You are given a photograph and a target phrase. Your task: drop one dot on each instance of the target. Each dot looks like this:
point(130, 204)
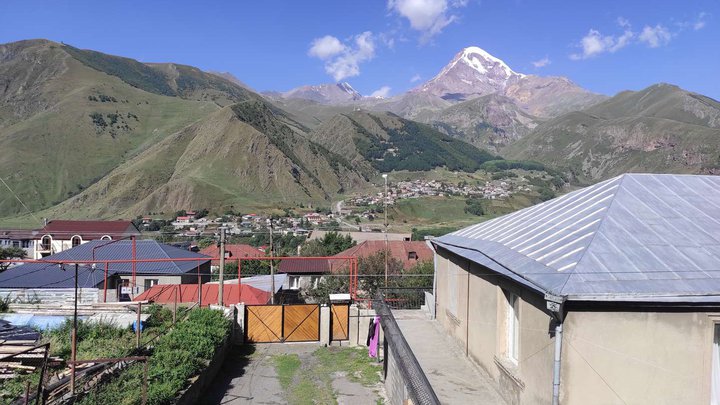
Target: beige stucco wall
point(478, 326)
point(637, 357)
point(609, 357)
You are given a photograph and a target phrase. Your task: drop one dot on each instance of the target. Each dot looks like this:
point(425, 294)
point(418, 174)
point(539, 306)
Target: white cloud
point(427, 16)
point(326, 47)
point(595, 43)
point(655, 36)
point(344, 61)
point(383, 92)
point(542, 62)
point(415, 78)
point(700, 22)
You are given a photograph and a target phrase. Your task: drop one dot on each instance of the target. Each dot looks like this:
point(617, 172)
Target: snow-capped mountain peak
point(346, 87)
point(472, 72)
point(480, 60)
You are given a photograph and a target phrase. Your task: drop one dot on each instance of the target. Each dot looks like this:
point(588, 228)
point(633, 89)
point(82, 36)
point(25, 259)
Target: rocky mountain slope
point(241, 155)
point(662, 129)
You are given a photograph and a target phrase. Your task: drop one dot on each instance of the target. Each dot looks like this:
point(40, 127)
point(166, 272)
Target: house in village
point(233, 252)
point(406, 252)
point(360, 237)
point(48, 281)
point(60, 235)
point(19, 238)
point(606, 295)
point(302, 273)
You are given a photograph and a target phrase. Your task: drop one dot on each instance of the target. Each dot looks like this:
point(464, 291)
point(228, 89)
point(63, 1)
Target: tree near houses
point(8, 254)
point(329, 245)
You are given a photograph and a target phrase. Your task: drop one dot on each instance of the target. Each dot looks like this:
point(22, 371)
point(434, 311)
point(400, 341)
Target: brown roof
point(234, 251)
point(17, 234)
point(400, 250)
point(89, 230)
point(304, 266)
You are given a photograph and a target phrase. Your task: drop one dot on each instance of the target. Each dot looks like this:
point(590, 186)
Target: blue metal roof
point(48, 275)
point(635, 237)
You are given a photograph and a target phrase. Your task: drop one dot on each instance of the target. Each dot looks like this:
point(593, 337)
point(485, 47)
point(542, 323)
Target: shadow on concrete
point(234, 366)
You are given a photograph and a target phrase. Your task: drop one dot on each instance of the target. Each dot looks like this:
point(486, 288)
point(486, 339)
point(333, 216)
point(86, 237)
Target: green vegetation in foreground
point(311, 382)
point(177, 356)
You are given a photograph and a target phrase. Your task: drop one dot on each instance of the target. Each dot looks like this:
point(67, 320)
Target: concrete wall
point(395, 387)
point(478, 323)
point(52, 295)
point(637, 357)
point(616, 356)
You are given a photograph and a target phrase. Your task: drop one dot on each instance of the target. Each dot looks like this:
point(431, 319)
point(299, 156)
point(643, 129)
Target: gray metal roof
point(45, 274)
point(636, 237)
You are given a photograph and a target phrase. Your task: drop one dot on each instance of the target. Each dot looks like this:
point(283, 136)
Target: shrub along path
point(301, 373)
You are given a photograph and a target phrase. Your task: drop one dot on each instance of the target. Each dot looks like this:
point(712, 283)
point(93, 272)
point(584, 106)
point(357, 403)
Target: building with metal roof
point(587, 278)
point(156, 264)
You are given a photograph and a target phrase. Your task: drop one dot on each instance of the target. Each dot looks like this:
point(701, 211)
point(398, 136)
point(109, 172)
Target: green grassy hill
point(63, 125)
point(390, 143)
point(661, 129)
point(240, 156)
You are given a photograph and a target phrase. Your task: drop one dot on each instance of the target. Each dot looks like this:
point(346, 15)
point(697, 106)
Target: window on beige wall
point(512, 326)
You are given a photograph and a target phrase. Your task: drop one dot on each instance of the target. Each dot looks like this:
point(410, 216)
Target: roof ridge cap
point(621, 179)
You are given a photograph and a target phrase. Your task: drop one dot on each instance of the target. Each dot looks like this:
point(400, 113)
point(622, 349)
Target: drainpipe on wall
point(555, 306)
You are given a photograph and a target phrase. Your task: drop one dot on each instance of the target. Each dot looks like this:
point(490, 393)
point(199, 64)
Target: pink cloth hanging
point(373, 348)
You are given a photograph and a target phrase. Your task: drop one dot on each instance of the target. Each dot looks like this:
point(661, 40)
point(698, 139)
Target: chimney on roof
point(45, 221)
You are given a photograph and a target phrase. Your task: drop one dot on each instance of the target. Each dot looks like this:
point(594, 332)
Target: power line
point(19, 200)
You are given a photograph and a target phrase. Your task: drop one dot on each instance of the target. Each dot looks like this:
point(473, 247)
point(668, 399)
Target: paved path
point(248, 375)
point(455, 379)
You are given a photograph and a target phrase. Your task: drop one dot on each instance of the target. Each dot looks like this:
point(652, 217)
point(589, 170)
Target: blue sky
point(605, 46)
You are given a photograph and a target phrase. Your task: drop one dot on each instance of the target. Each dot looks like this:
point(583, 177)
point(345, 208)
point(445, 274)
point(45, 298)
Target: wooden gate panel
point(263, 323)
point(301, 323)
point(340, 321)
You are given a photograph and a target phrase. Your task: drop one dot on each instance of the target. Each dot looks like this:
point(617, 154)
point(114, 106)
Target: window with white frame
point(512, 324)
point(294, 282)
point(75, 241)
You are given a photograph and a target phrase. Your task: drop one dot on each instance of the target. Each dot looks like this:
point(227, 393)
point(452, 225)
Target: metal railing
point(418, 387)
point(405, 297)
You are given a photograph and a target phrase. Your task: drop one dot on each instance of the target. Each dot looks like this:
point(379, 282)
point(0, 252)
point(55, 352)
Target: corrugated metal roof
point(263, 282)
point(633, 237)
point(48, 275)
point(166, 294)
point(304, 266)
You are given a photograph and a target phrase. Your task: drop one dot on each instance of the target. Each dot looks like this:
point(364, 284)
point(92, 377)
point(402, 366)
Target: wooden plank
point(301, 323)
point(340, 321)
point(263, 323)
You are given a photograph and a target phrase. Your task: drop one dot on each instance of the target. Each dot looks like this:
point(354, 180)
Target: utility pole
point(222, 266)
point(272, 267)
point(73, 354)
point(385, 176)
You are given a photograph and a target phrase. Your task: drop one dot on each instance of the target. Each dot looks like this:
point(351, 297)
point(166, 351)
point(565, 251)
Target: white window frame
point(294, 282)
point(512, 326)
point(76, 238)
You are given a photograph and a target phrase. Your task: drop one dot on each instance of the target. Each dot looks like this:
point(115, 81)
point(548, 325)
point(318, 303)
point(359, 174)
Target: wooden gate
point(282, 323)
point(340, 321)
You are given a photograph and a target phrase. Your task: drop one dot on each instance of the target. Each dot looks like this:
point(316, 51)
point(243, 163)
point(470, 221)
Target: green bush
point(177, 356)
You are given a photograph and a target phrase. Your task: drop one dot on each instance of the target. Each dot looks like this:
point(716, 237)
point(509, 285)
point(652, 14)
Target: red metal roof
point(400, 250)
point(188, 293)
point(231, 252)
point(89, 229)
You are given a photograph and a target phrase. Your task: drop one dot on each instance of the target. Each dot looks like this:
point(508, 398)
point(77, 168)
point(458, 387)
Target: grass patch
point(286, 365)
point(310, 380)
point(353, 361)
